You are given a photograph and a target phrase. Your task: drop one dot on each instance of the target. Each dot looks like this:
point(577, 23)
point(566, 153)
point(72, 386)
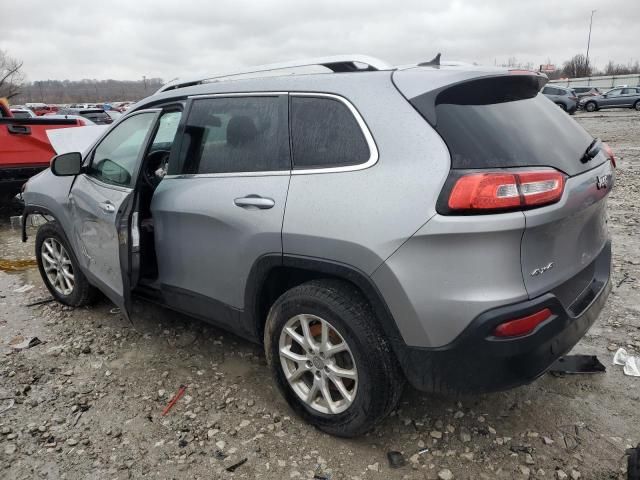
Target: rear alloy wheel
point(330, 359)
point(318, 364)
point(590, 106)
point(562, 106)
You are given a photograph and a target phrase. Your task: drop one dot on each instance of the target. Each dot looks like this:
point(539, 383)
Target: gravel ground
point(87, 402)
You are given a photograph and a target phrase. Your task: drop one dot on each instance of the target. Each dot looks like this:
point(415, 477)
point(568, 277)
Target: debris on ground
point(23, 289)
point(21, 343)
point(631, 364)
point(40, 302)
point(234, 466)
point(173, 401)
point(573, 364)
point(396, 459)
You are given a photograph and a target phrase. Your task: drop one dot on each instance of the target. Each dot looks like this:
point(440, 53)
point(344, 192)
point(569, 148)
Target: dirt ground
point(86, 403)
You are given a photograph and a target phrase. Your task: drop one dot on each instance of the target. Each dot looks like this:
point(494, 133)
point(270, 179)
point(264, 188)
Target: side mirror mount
point(67, 164)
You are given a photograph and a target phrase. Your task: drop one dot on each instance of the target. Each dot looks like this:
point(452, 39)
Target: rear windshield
point(503, 121)
point(96, 116)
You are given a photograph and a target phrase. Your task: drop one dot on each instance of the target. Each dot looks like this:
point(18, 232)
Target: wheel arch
point(272, 275)
point(36, 209)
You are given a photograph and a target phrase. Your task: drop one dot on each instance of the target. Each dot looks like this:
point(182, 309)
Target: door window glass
point(235, 134)
point(116, 157)
point(166, 133)
point(614, 93)
point(324, 133)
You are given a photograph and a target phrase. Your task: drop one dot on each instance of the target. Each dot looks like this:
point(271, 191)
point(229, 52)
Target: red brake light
point(607, 149)
point(506, 191)
point(522, 326)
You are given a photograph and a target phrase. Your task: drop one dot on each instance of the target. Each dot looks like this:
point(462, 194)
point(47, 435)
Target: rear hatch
point(497, 128)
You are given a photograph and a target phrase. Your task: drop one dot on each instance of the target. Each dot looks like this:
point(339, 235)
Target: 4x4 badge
point(602, 181)
point(541, 270)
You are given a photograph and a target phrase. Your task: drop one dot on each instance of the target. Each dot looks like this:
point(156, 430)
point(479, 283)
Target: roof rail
point(337, 64)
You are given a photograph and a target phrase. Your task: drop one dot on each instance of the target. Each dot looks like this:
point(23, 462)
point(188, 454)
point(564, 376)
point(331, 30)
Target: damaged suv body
point(444, 225)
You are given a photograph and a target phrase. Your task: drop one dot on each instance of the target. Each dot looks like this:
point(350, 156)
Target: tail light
point(573, 98)
point(488, 192)
point(609, 152)
point(522, 326)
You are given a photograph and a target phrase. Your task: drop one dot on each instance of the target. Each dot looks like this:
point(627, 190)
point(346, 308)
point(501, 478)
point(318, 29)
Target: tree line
point(85, 91)
point(579, 66)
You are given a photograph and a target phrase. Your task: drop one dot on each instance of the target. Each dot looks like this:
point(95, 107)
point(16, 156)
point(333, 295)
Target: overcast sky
point(126, 39)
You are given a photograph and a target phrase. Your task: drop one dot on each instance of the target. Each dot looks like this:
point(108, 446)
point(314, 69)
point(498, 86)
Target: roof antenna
point(431, 63)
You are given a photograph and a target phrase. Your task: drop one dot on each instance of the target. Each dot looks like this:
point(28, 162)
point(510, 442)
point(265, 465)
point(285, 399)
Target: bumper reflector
point(522, 326)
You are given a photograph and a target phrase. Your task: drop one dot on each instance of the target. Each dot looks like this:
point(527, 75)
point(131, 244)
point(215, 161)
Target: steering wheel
point(155, 167)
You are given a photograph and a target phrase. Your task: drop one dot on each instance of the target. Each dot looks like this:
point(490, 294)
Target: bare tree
point(11, 76)
point(577, 66)
point(619, 69)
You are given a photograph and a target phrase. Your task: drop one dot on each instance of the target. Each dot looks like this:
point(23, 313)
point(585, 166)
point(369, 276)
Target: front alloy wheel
point(318, 364)
point(57, 266)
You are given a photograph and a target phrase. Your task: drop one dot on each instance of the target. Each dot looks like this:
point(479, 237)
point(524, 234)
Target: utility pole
point(144, 79)
point(589, 40)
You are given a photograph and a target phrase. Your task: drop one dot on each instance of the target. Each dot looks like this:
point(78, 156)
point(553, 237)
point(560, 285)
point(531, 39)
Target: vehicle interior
point(152, 171)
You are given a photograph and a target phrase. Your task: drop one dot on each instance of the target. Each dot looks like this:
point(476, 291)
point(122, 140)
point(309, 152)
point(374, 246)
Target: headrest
point(241, 130)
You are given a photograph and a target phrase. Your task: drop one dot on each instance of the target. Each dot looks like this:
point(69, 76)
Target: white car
point(83, 120)
point(22, 113)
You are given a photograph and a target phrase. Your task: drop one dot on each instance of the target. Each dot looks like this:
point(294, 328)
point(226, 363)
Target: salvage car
point(96, 115)
point(24, 148)
point(565, 98)
point(628, 97)
point(427, 237)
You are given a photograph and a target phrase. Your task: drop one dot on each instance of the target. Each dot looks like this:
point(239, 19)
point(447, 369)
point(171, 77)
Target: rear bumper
point(476, 361)
point(12, 178)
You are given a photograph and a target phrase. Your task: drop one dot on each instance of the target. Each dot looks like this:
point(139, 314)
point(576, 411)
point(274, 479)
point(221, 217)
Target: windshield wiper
point(592, 150)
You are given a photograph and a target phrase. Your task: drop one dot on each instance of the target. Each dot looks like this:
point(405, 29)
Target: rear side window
point(502, 121)
point(234, 135)
point(325, 134)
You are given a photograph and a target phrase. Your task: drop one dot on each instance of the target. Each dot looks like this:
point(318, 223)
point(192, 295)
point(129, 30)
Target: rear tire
point(562, 106)
point(375, 381)
point(59, 268)
point(590, 106)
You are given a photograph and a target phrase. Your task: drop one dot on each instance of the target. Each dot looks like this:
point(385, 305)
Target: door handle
point(19, 129)
point(254, 201)
point(108, 207)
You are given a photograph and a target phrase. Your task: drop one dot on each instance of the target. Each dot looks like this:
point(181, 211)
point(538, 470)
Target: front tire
point(330, 359)
point(637, 105)
point(590, 106)
point(59, 268)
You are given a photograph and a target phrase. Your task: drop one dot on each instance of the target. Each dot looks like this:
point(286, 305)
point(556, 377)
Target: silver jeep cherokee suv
point(443, 224)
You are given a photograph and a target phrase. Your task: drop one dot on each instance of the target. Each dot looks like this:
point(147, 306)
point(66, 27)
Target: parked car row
point(590, 98)
point(628, 97)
